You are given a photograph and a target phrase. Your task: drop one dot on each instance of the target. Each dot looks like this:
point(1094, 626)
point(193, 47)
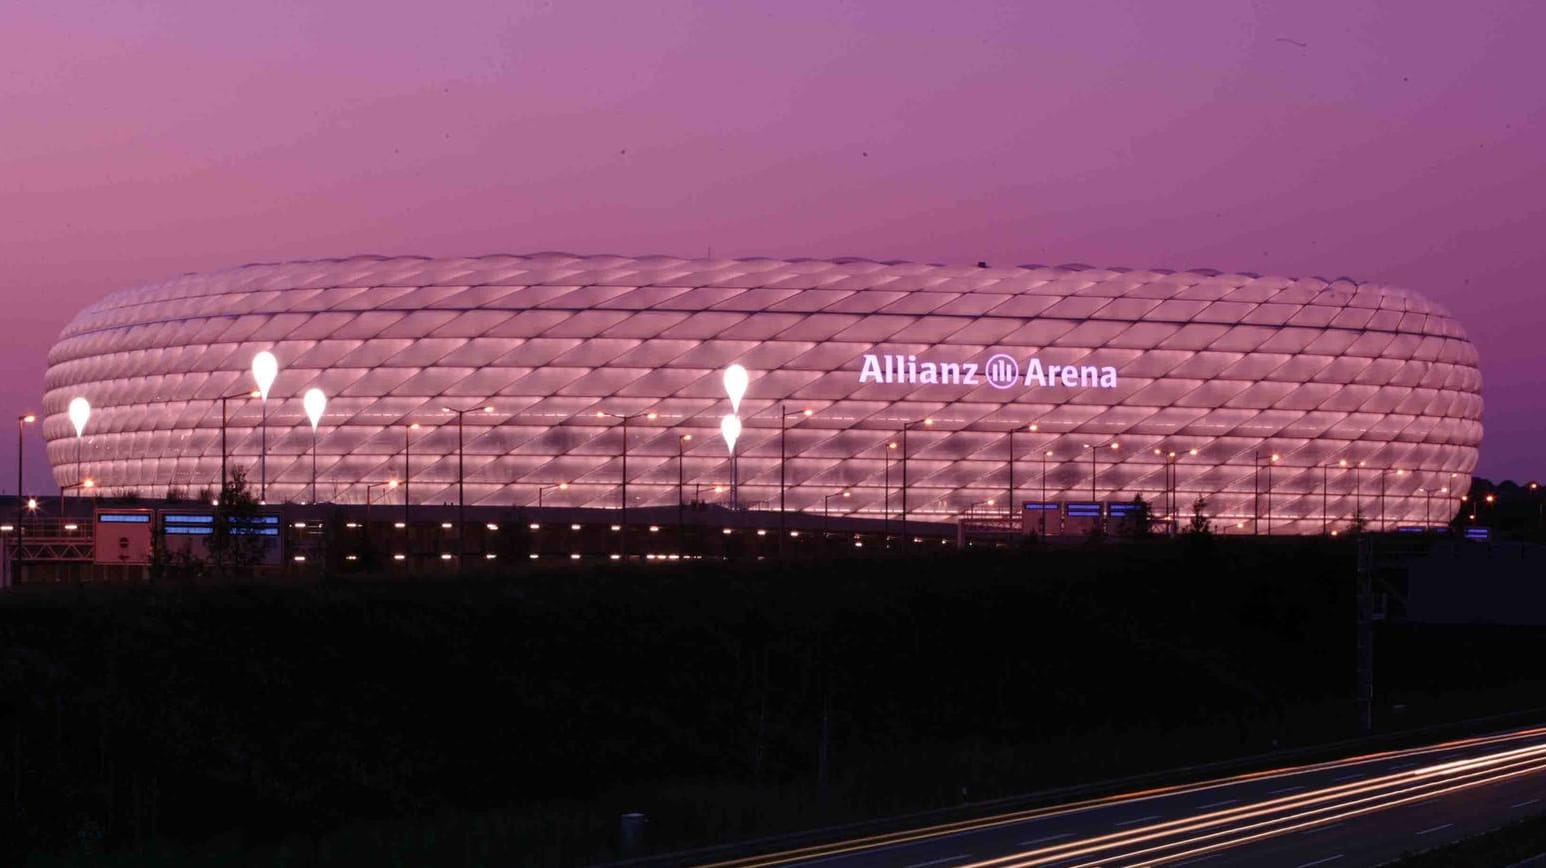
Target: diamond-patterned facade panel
point(1369, 395)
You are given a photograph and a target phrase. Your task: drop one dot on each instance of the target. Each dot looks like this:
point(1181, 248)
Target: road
point(1362, 810)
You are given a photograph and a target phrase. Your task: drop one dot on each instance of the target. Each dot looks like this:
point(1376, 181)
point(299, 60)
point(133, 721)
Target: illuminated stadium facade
point(1368, 396)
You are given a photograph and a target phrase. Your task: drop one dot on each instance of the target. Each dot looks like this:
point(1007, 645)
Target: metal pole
point(885, 488)
point(21, 422)
point(904, 485)
point(1011, 500)
point(1043, 509)
point(1256, 496)
point(223, 476)
point(1325, 498)
point(623, 542)
point(1094, 471)
point(313, 464)
point(407, 471)
point(681, 494)
point(783, 427)
point(461, 497)
point(263, 454)
point(1384, 472)
point(1269, 495)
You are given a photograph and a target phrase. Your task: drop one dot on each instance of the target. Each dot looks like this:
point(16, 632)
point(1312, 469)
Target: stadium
point(874, 389)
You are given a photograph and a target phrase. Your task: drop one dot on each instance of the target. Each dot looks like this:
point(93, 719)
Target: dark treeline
point(511, 719)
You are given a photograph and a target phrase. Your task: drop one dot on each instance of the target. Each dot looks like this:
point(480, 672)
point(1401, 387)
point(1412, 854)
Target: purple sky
point(1367, 139)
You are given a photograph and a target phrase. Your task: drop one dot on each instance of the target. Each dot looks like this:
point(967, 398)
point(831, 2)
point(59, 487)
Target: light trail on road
point(1202, 832)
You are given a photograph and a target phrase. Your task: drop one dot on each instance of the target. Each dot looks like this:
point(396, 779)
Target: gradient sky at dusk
point(1378, 140)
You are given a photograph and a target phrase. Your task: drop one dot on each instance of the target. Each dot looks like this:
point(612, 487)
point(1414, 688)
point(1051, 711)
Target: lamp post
point(315, 402)
point(84, 485)
point(906, 426)
point(223, 421)
point(265, 368)
point(461, 478)
point(21, 423)
point(885, 490)
point(1271, 460)
point(826, 506)
point(561, 486)
point(681, 490)
point(1094, 469)
point(730, 429)
point(783, 427)
point(407, 468)
point(1043, 510)
point(625, 418)
point(390, 483)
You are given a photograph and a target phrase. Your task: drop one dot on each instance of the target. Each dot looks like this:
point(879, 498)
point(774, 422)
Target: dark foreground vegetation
point(510, 719)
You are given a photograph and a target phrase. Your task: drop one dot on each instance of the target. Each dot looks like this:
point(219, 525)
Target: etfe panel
point(123, 536)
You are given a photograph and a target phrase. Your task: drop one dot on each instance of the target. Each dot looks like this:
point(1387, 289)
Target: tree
point(235, 546)
point(1200, 524)
point(1359, 524)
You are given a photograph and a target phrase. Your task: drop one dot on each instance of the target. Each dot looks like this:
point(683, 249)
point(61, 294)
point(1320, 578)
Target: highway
point(1362, 810)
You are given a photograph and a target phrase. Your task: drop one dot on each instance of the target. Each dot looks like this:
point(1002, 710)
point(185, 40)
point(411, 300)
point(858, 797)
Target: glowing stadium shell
point(1236, 366)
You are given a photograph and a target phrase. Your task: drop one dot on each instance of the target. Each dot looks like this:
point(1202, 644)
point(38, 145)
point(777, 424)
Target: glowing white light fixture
point(265, 368)
point(736, 381)
point(316, 404)
point(80, 414)
point(730, 427)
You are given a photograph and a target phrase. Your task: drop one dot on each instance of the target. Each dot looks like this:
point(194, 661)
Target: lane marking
point(1435, 828)
point(1217, 804)
point(1523, 803)
point(1134, 822)
point(1284, 790)
point(1046, 839)
point(940, 861)
point(1320, 861)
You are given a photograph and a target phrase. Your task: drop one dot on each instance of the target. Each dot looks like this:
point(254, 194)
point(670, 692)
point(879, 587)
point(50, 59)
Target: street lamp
point(265, 368)
point(390, 483)
point(21, 423)
point(1042, 511)
point(730, 429)
point(86, 484)
point(1094, 470)
point(626, 418)
point(681, 487)
point(826, 507)
point(906, 426)
point(1383, 473)
point(407, 467)
point(315, 403)
point(461, 495)
point(783, 426)
point(223, 452)
point(561, 486)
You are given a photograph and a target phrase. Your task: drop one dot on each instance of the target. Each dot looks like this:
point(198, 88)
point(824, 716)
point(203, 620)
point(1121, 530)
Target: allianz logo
point(1001, 371)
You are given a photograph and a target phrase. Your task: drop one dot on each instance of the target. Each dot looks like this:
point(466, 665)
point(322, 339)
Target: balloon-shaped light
point(80, 413)
point(736, 381)
point(315, 403)
point(730, 426)
point(264, 369)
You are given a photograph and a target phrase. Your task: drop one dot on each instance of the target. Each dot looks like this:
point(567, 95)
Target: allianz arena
point(1089, 378)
